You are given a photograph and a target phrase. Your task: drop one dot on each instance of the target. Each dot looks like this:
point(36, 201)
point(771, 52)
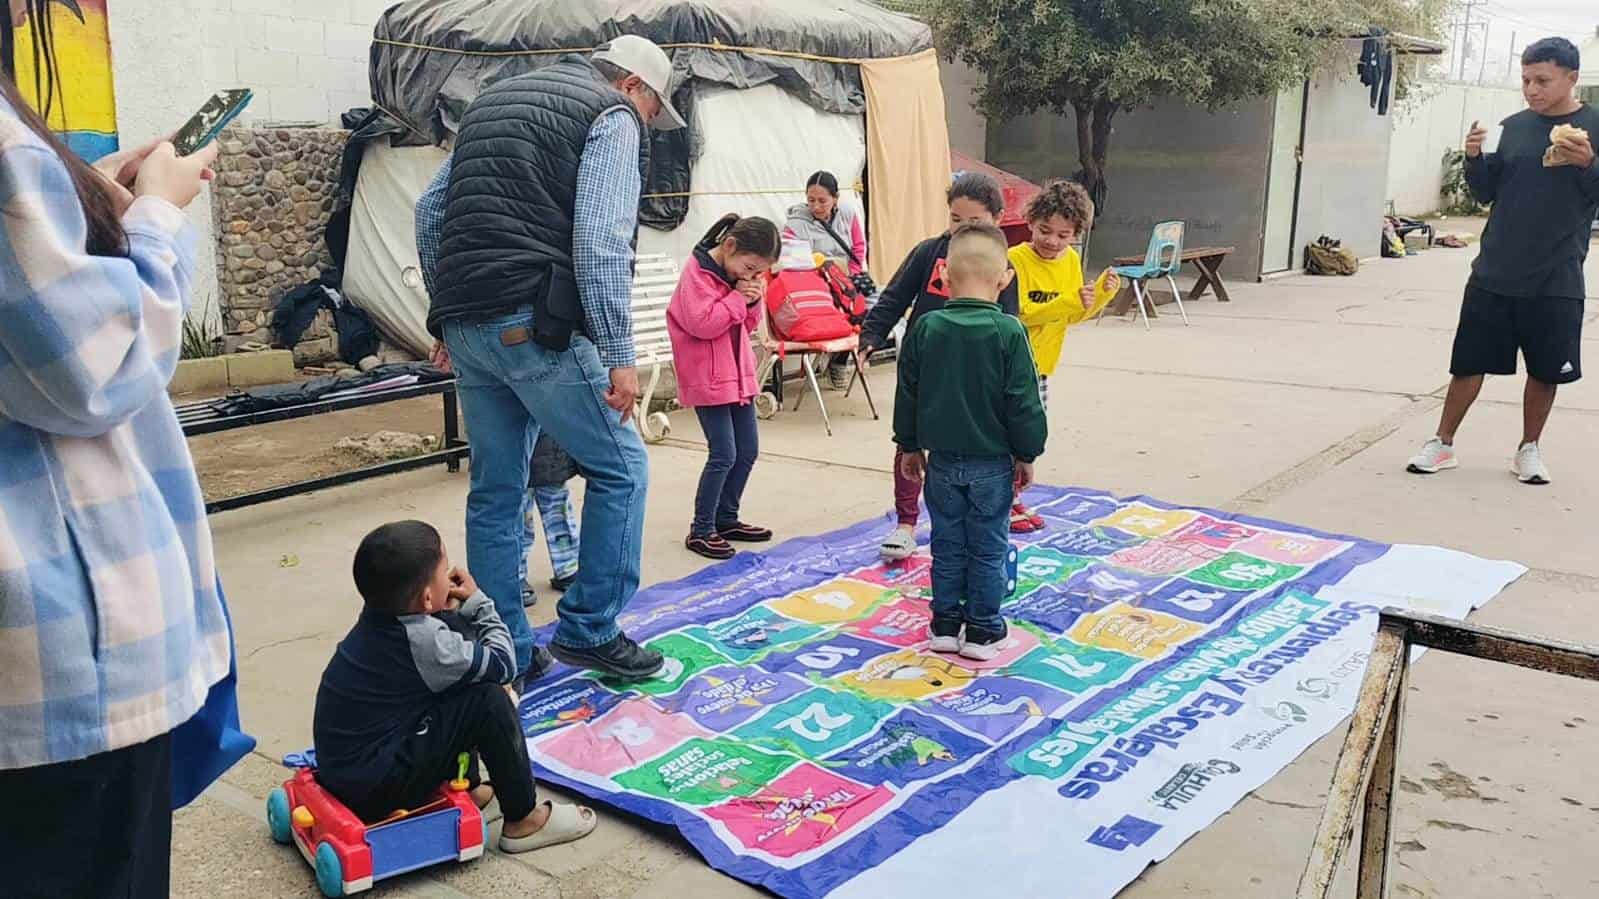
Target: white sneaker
point(951, 644)
point(1528, 466)
point(1435, 456)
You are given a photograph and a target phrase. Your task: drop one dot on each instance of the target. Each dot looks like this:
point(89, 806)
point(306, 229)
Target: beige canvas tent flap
point(907, 156)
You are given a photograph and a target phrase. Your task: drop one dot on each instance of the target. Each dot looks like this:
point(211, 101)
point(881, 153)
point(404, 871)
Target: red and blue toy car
point(348, 854)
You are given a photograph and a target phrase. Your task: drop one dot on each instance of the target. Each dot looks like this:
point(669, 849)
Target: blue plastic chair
point(1163, 259)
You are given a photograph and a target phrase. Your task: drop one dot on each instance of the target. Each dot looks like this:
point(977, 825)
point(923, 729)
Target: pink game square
point(917, 571)
point(633, 732)
point(1017, 643)
point(1290, 549)
point(902, 623)
point(805, 809)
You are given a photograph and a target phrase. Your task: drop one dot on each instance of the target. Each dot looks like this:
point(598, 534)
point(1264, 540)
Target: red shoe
point(1024, 520)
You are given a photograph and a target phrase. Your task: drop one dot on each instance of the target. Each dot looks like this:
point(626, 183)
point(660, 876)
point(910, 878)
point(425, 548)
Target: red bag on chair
point(800, 307)
point(849, 298)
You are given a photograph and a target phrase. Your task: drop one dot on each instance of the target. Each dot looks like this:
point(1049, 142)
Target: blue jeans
point(734, 443)
point(552, 507)
point(507, 394)
point(969, 499)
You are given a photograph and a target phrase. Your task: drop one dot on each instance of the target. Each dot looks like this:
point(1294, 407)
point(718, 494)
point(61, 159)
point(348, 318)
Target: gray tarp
point(432, 57)
point(429, 88)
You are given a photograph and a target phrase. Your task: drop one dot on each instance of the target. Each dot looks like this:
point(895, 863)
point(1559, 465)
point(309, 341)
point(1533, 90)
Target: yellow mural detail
point(85, 108)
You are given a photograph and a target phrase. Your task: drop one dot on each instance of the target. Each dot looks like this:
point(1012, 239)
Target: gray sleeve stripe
point(441, 656)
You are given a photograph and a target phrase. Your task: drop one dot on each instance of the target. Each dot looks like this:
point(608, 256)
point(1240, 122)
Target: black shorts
point(1547, 331)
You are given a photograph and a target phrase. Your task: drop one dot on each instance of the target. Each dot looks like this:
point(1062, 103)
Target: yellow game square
point(1148, 521)
point(1134, 631)
point(905, 676)
point(830, 603)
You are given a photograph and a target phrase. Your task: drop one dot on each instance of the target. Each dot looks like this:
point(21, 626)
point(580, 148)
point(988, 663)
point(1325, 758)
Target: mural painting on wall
point(84, 111)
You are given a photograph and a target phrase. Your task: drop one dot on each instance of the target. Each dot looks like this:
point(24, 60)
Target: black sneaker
point(739, 532)
point(983, 645)
point(563, 584)
point(619, 658)
point(539, 666)
point(529, 598)
point(712, 547)
point(945, 634)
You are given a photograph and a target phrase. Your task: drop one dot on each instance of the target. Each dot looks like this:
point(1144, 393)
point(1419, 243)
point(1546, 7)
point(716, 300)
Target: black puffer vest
point(507, 236)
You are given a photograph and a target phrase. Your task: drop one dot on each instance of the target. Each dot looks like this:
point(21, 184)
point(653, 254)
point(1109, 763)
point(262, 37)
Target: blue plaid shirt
point(603, 224)
point(111, 623)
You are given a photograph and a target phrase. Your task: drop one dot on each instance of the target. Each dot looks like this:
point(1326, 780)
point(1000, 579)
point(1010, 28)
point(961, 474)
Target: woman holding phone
point(115, 653)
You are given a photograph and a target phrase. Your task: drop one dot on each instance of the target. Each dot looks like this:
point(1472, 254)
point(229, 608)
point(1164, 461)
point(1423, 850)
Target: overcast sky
point(1525, 20)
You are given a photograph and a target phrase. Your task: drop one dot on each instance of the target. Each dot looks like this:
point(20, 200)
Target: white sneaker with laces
point(1435, 456)
point(1529, 467)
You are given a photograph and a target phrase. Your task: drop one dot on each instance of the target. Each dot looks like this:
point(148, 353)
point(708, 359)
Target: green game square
point(685, 657)
point(705, 772)
point(1240, 571)
point(814, 724)
point(1037, 566)
point(1067, 665)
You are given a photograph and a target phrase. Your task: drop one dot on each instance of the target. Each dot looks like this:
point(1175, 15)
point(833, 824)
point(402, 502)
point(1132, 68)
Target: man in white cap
point(526, 240)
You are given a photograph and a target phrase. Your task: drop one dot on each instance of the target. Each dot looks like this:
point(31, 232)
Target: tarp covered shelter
point(773, 91)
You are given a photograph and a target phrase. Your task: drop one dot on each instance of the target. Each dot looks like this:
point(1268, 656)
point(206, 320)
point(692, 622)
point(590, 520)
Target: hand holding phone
point(173, 178)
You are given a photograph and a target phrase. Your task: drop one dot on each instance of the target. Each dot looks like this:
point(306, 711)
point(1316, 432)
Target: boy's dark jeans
point(477, 719)
point(969, 500)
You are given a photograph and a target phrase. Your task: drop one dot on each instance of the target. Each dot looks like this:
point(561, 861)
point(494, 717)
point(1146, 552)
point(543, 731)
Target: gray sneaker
point(1528, 466)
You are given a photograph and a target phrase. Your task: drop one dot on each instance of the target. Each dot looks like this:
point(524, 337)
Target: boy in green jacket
point(968, 420)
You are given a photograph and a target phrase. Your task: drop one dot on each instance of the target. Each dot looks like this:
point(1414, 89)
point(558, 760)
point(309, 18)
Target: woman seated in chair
point(838, 232)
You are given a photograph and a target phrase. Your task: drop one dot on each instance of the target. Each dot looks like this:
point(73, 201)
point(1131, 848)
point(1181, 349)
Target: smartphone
point(205, 125)
point(1490, 144)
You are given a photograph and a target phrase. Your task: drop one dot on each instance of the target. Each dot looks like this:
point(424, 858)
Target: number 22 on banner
point(816, 723)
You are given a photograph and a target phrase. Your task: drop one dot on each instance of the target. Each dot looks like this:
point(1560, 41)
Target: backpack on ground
point(800, 307)
point(1330, 257)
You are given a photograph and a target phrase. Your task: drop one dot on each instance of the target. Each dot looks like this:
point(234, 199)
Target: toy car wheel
point(329, 870)
point(765, 405)
point(278, 816)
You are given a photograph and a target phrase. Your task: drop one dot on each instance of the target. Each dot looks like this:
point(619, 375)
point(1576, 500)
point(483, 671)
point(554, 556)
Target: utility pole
point(1482, 65)
point(1511, 62)
point(1465, 29)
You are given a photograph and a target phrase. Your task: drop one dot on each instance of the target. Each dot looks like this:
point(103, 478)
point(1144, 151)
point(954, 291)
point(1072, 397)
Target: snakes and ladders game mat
point(1161, 663)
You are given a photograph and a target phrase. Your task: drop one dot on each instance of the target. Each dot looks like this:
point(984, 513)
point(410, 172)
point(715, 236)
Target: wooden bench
point(654, 280)
point(1207, 259)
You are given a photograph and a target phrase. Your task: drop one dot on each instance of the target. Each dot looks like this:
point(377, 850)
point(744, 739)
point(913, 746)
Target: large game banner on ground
point(1162, 662)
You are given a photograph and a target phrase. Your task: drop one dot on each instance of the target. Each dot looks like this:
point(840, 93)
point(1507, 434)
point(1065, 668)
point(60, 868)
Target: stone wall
point(274, 193)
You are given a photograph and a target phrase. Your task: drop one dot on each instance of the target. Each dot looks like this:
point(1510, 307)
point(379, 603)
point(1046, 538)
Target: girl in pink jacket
point(716, 307)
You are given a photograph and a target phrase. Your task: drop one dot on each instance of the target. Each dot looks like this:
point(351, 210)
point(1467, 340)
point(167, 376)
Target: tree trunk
point(1093, 142)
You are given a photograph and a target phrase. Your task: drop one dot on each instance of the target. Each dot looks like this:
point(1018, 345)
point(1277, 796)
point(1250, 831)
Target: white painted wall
point(305, 59)
point(1428, 126)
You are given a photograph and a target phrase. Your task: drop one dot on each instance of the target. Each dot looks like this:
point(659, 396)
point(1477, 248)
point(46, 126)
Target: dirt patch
point(263, 456)
point(1454, 785)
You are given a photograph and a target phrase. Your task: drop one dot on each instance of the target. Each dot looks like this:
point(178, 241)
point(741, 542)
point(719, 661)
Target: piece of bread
point(1551, 156)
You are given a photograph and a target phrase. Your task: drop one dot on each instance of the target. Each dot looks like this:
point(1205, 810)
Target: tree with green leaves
point(1095, 58)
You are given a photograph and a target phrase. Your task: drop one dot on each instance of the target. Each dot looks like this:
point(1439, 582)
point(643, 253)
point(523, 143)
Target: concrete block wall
point(305, 59)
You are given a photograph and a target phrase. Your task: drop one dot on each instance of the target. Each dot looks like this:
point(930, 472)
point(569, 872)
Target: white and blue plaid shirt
point(111, 623)
point(603, 224)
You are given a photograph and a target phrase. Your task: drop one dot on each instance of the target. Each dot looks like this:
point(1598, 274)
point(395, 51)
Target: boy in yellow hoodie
point(1053, 297)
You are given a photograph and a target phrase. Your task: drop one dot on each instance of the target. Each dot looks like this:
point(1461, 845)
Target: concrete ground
point(1299, 401)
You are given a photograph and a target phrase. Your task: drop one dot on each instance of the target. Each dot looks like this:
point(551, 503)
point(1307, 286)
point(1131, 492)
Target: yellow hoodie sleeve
point(1102, 297)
